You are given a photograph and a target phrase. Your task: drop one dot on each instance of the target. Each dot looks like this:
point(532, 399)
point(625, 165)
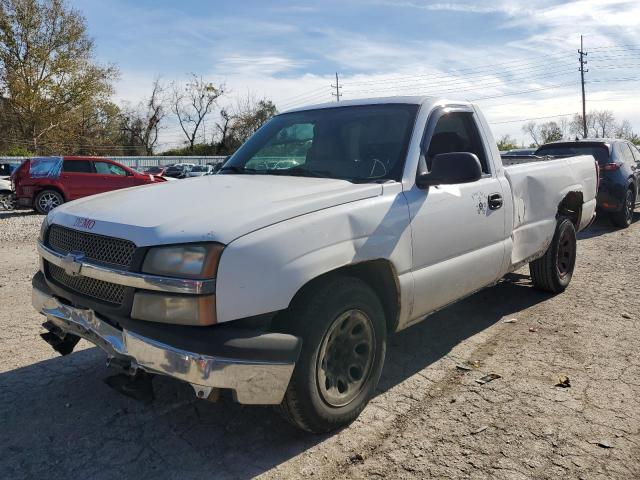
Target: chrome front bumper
point(252, 382)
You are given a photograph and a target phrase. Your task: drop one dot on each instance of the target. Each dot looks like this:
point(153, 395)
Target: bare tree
point(604, 123)
point(142, 124)
point(531, 128)
point(250, 114)
point(192, 103)
point(624, 130)
point(564, 125)
point(223, 128)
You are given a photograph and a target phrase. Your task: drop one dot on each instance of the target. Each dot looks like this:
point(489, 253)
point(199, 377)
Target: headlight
point(184, 261)
point(179, 310)
point(43, 229)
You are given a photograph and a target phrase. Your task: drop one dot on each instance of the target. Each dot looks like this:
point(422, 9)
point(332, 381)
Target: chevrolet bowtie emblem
point(72, 263)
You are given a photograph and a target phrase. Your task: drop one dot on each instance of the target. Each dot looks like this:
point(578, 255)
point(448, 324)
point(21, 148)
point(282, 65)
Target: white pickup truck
point(280, 277)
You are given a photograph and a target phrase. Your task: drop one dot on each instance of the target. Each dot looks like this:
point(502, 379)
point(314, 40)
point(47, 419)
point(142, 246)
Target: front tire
point(553, 271)
point(343, 330)
point(47, 200)
point(624, 217)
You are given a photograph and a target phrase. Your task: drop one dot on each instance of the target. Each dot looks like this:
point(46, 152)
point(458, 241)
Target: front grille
point(98, 289)
point(114, 251)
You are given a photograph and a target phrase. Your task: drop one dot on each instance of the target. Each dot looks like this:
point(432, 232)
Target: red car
point(44, 183)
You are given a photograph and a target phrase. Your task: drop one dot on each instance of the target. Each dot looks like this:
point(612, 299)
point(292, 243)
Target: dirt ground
point(430, 419)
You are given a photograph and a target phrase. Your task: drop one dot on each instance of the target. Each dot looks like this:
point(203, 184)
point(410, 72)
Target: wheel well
point(571, 206)
point(379, 274)
point(55, 189)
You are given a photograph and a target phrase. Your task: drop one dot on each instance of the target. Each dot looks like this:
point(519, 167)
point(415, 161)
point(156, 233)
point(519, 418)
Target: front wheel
point(343, 330)
point(553, 271)
point(47, 200)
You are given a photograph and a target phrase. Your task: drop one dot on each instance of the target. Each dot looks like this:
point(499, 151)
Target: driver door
point(458, 238)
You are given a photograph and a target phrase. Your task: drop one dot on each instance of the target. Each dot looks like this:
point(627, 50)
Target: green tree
point(47, 69)
point(543, 133)
point(505, 142)
point(235, 128)
point(18, 152)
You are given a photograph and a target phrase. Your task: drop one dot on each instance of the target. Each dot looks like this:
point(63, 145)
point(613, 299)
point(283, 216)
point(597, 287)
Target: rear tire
point(624, 217)
point(553, 271)
point(343, 330)
point(47, 200)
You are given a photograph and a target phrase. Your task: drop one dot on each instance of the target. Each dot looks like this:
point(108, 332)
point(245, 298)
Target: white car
point(283, 284)
point(199, 171)
point(7, 200)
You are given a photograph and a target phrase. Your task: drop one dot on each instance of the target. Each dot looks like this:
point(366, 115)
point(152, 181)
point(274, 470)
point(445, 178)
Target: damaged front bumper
point(262, 379)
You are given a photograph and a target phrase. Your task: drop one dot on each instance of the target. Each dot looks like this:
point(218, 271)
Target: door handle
point(495, 201)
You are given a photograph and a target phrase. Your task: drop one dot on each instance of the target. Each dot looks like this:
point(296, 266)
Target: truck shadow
point(603, 226)
point(60, 420)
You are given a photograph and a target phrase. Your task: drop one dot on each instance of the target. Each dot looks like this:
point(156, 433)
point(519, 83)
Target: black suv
point(619, 163)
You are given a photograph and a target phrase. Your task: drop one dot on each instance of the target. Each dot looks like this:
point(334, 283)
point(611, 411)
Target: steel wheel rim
point(345, 358)
point(48, 201)
point(565, 259)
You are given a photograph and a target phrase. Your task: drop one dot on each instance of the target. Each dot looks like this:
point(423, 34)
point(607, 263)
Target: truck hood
point(216, 208)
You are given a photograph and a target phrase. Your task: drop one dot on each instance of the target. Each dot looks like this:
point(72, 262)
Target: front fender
point(262, 271)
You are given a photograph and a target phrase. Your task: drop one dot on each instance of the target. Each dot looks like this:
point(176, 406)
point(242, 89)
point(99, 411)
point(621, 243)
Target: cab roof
point(411, 100)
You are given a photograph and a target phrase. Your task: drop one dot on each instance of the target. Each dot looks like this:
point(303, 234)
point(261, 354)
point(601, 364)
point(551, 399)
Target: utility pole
point(583, 70)
point(337, 87)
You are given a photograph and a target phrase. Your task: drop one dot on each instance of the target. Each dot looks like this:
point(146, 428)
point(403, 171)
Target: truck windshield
point(355, 143)
point(599, 152)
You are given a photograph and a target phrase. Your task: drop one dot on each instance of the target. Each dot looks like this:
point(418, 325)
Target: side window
point(77, 166)
point(634, 152)
point(627, 156)
point(457, 132)
point(106, 168)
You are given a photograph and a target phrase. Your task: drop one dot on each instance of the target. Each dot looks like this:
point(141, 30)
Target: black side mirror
point(451, 168)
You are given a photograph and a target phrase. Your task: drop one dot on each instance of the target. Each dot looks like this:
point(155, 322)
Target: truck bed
point(539, 184)
point(508, 160)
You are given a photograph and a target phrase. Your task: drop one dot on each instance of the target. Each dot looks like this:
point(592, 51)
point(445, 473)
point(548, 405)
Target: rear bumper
point(25, 201)
point(259, 374)
point(611, 195)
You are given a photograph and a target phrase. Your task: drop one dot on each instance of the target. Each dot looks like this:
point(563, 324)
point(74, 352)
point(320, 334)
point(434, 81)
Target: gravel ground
point(430, 419)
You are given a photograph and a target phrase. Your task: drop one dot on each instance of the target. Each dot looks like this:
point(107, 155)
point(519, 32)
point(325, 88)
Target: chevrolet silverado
point(280, 278)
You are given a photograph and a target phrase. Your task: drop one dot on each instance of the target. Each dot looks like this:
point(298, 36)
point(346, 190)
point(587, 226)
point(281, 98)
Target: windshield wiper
point(236, 169)
point(300, 171)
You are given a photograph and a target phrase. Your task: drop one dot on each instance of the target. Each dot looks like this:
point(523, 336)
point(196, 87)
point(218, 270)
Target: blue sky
point(289, 51)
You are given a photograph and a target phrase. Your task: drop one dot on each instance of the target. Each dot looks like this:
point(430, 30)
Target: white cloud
point(542, 53)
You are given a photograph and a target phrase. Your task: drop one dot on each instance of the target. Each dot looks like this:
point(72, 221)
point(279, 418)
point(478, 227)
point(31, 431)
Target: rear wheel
point(47, 200)
point(624, 217)
point(553, 271)
point(343, 331)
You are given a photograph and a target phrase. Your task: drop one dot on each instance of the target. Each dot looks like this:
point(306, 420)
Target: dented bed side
point(538, 190)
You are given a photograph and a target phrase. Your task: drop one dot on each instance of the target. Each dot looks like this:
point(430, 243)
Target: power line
point(463, 83)
point(449, 79)
point(533, 118)
point(489, 68)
